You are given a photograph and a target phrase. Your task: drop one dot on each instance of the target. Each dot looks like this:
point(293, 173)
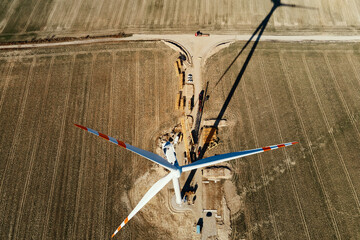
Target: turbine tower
point(171, 164)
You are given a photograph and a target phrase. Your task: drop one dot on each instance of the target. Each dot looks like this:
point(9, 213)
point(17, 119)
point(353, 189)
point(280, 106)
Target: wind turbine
point(171, 164)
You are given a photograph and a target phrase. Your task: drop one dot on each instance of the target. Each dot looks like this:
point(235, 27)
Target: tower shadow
point(258, 31)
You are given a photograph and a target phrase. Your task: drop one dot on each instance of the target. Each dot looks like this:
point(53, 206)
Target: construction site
point(202, 193)
point(210, 78)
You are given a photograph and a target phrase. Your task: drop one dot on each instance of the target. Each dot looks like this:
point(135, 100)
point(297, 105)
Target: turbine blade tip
point(79, 126)
point(114, 233)
point(294, 143)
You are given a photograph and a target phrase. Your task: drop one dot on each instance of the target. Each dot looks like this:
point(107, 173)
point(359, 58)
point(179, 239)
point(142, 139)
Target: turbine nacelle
point(170, 154)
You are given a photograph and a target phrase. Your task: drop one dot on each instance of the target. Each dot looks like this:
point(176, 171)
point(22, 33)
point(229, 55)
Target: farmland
point(308, 93)
point(25, 20)
point(58, 182)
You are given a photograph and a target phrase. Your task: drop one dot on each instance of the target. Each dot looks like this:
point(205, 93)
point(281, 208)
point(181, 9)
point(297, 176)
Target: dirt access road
point(197, 49)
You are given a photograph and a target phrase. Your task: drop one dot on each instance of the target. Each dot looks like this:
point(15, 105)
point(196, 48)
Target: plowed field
point(292, 92)
point(57, 181)
point(27, 19)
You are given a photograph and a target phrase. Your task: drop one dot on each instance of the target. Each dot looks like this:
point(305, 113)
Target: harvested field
point(57, 181)
point(25, 20)
point(302, 92)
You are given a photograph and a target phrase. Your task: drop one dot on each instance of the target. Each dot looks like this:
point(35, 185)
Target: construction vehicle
point(177, 68)
point(179, 63)
point(177, 102)
point(191, 104)
point(209, 137)
point(200, 34)
point(181, 80)
point(201, 96)
point(189, 197)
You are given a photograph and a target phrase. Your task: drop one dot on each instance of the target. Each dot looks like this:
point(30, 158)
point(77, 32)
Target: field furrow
point(59, 182)
point(32, 192)
point(341, 95)
point(333, 119)
point(263, 177)
point(260, 106)
point(291, 76)
point(305, 93)
point(288, 161)
point(56, 172)
point(81, 96)
point(14, 164)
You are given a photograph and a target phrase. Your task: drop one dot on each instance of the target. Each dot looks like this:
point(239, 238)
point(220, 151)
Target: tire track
point(112, 7)
point(353, 67)
point(343, 101)
point(60, 142)
point(7, 80)
point(8, 15)
point(264, 177)
point(207, 12)
point(136, 107)
point(293, 182)
point(121, 14)
point(74, 12)
point(139, 18)
point(31, 16)
point(82, 155)
point(151, 16)
point(133, 13)
point(316, 168)
point(31, 159)
point(331, 132)
point(34, 148)
point(89, 17)
point(163, 13)
point(48, 25)
point(174, 19)
point(96, 15)
point(109, 147)
point(186, 16)
point(114, 14)
point(204, 13)
point(18, 126)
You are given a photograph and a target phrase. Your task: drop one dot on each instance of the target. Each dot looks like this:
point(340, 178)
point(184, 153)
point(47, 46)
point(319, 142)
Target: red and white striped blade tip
point(79, 126)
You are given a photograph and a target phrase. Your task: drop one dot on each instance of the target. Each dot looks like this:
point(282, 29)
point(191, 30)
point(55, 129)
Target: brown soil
point(292, 92)
point(58, 182)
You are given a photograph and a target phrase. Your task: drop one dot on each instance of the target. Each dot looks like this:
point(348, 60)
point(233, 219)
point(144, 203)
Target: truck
point(200, 34)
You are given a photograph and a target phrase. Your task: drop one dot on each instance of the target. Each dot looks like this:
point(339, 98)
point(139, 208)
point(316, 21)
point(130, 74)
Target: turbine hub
point(177, 172)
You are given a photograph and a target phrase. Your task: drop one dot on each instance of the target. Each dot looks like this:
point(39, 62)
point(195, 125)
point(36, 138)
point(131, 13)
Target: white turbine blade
point(151, 156)
point(146, 198)
point(148, 155)
point(230, 156)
